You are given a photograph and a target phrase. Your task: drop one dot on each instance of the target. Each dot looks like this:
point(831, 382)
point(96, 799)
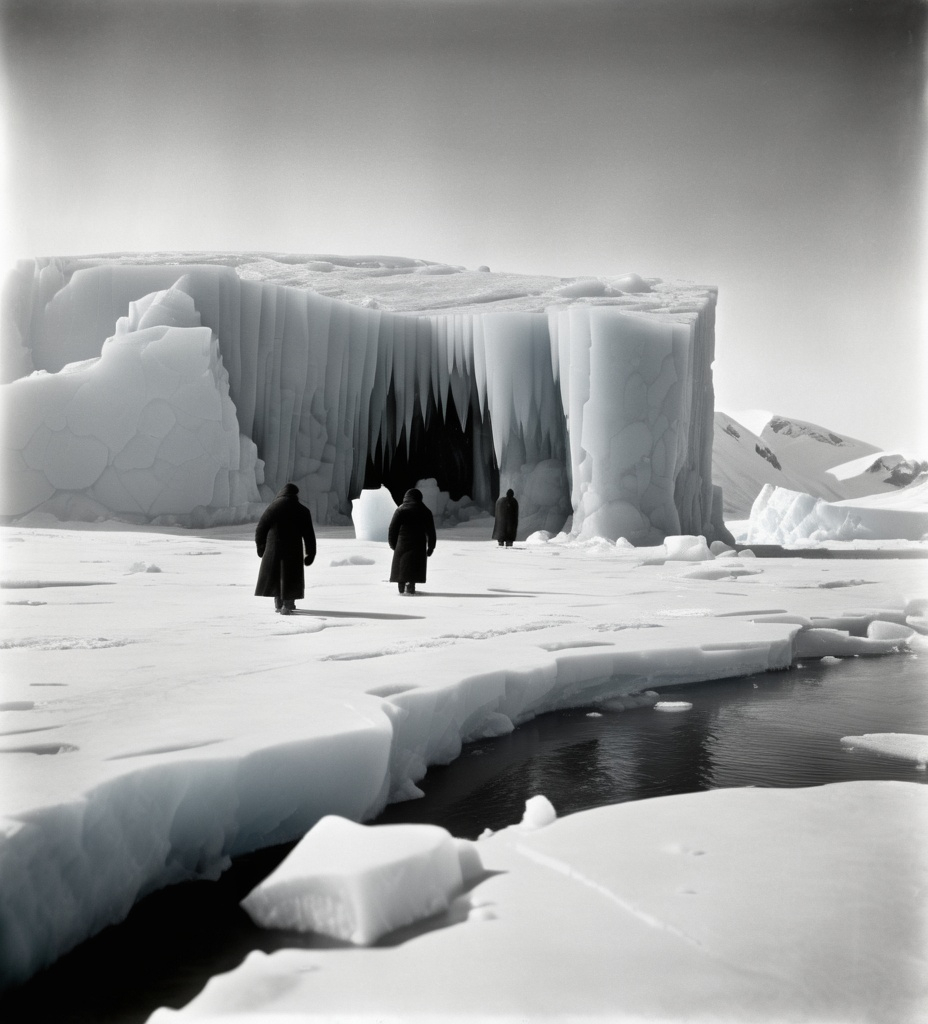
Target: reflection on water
point(777, 729)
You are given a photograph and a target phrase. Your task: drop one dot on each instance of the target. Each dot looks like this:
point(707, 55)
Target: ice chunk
point(673, 705)
point(539, 812)
point(821, 642)
point(359, 882)
point(781, 516)
point(687, 549)
point(371, 513)
point(906, 746)
point(881, 630)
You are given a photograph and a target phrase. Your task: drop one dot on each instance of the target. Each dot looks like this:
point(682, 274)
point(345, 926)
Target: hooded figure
point(280, 536)
point(507, 519)
point(412, 538)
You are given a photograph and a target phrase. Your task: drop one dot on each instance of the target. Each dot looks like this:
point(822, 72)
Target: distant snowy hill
point(800, 456)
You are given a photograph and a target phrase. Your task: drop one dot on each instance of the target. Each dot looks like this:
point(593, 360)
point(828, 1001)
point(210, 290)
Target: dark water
point(779, 729)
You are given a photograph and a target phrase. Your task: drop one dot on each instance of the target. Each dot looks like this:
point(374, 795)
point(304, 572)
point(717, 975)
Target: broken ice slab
point(359, 882)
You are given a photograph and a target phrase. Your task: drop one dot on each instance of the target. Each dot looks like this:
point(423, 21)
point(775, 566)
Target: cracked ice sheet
point(733, 905)
point(172, 732)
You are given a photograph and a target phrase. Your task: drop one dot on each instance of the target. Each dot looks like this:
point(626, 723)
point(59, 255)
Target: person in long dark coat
point(284, 530)
point(412, 538)
point(507, 519)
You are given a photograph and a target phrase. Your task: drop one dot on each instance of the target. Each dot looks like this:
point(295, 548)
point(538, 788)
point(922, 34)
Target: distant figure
point(412, 539)
point(507, 519)
point(283, 530)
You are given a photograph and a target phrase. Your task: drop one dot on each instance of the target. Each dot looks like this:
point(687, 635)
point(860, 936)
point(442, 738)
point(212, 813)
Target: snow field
point(188, 723)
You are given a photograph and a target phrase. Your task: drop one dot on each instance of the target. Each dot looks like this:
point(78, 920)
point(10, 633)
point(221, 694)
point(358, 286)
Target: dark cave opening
point(460, 459)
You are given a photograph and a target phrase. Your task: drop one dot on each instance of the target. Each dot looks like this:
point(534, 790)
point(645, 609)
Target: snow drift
point(590, 398)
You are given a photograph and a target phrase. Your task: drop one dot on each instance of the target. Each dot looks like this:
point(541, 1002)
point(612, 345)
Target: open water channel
point(778, 729)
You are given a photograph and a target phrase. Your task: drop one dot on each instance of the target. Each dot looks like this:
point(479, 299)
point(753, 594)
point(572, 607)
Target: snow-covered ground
point(157, 719)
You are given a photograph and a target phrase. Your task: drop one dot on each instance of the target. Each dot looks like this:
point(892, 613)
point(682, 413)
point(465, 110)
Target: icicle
point(423, 363)
point(480, 363)
point(409, 381)
point(441, 361)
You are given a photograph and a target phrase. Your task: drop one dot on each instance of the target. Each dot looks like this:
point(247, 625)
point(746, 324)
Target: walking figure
point(283, 530)
point(412, 539)
point(507, 519)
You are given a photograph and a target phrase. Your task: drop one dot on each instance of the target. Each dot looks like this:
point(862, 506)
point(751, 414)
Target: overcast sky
point(775, 148)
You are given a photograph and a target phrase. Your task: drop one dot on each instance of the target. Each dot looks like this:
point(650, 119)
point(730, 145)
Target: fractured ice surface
point(358, 882)
point(592, 397)
point(194, 725)
point(145, 429)
point(751, 905)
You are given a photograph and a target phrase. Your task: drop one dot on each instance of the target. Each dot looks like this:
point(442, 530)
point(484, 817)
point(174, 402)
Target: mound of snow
point(358, 882)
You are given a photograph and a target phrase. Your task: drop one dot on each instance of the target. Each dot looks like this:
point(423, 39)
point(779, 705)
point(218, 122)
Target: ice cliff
point(591, 397)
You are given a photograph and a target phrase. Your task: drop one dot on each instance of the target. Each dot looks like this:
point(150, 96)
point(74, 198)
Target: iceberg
point(592, 398)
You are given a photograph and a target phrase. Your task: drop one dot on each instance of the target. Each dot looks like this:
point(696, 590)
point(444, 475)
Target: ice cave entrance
point(456, 450)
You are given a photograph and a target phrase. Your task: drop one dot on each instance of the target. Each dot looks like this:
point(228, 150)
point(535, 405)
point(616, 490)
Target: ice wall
point(591, 399)
point(637, 391)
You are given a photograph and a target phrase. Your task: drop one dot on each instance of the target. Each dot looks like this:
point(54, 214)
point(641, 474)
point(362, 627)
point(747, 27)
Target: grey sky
point(774, 148)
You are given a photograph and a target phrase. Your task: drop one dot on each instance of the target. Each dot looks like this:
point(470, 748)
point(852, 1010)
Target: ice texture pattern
point(593, 397)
